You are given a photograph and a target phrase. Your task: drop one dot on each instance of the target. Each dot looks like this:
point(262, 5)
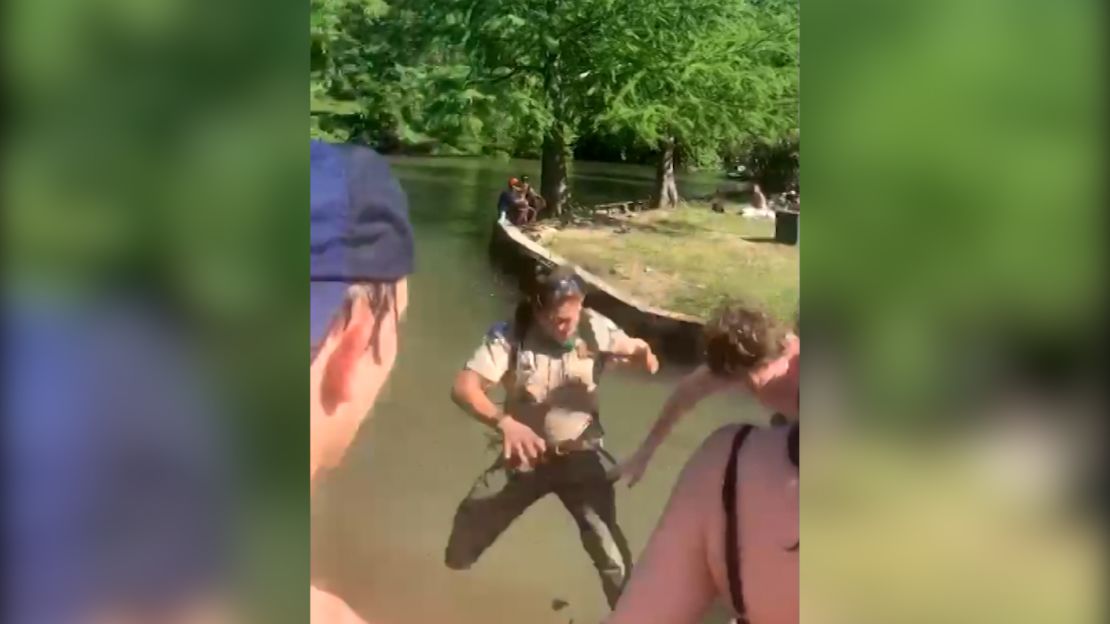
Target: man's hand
point(633, 468)
point(518, 440)
point(637, 352)
point(651, 363)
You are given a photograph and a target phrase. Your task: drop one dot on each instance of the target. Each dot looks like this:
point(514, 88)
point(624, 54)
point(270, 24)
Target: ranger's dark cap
point(553, 284)
point(360, 226)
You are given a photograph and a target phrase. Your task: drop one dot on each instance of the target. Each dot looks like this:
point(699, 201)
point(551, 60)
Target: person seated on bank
point(534, 199)
point(512, 205)
point(745, 350)
point(532, 203)
point(525, 214)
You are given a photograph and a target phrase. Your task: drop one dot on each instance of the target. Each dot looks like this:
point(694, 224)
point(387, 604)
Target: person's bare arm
point(627, 349)
point(693, 388)
point(690, 391)
point(470, 392)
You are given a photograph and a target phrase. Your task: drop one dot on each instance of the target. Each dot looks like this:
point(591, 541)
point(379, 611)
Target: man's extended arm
point(693, 388)
point(470, 393)
point(690, 391)
point(619, 346)
point(628, 350)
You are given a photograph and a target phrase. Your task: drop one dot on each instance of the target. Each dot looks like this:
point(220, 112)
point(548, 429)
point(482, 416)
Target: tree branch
point(513, 72)
point(575, 33)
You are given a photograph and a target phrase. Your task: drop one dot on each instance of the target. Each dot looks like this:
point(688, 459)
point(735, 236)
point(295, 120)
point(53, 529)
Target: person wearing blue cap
point(361, 253)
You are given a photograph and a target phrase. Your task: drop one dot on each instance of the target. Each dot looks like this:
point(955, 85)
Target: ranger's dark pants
point(580, 481)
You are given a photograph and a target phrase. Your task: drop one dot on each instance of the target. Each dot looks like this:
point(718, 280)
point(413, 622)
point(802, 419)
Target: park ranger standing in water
point(549, 360)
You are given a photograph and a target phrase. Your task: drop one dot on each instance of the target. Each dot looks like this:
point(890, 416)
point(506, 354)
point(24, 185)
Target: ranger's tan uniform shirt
point(547, 374)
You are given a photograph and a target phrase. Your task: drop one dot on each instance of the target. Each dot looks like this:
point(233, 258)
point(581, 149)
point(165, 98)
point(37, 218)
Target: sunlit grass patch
point(688, 259)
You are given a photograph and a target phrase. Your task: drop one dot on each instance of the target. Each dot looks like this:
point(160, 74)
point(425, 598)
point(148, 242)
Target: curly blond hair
point(740, 337)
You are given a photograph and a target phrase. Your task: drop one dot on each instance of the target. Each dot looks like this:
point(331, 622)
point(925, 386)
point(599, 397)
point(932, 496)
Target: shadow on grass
point(621, 177)
point(666, 227)
point(761, 239)
point(663, 226)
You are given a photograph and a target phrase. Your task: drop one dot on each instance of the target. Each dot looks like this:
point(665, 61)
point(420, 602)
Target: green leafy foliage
point(705, 73)
point(774, 165)
point(497, 77)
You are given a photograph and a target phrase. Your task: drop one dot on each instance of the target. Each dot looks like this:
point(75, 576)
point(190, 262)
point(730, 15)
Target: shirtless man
point(358, 296)
point(737, 542)
point(535, 200)
point(744, 351)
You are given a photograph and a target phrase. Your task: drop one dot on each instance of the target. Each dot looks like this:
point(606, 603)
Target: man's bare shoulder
point(761, 445)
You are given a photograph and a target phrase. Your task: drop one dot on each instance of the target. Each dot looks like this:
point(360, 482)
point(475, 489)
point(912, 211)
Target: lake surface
point(383, 521)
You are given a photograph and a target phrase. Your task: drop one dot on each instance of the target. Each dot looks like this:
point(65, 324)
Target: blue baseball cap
point(360, 227)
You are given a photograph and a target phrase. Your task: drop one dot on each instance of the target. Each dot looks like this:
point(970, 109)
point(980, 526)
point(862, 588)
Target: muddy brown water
point(381, 523)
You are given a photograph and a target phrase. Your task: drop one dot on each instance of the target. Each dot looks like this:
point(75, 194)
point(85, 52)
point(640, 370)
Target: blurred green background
point(158, 147)
point(952, 285)
point(958, 165)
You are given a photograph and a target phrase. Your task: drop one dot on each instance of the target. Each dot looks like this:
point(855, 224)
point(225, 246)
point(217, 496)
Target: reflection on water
point(383, 521)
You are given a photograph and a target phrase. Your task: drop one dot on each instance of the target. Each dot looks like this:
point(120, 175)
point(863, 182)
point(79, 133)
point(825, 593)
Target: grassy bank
point(688, 259)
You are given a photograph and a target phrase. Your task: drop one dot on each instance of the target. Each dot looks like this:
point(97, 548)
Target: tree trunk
point(553, 163)
point(553, 172)
point(666, 192)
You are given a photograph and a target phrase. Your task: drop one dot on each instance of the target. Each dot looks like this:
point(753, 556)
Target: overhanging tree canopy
point(520, 77)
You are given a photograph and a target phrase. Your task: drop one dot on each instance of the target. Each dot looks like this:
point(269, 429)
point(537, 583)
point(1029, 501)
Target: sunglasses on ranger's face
point(569, 286)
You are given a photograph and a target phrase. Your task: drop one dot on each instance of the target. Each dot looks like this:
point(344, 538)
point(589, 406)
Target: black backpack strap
point(514, 354)
point(792, 445)
point(732, 537)
point(522, 320)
